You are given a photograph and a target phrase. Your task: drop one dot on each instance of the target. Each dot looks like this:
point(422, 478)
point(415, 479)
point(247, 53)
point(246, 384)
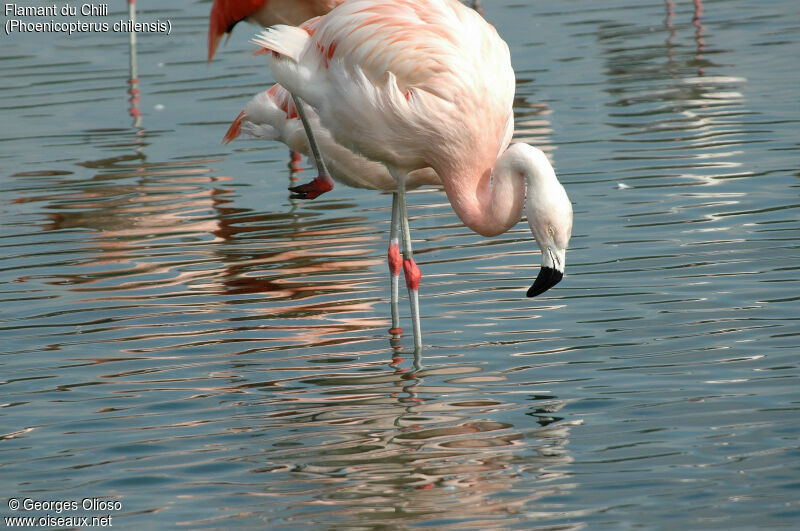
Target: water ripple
point(181, 336)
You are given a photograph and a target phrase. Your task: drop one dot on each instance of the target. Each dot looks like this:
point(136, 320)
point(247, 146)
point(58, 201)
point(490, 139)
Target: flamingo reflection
point(152, 234)
point(380, 444)
point(676, 95)
point(133, 78)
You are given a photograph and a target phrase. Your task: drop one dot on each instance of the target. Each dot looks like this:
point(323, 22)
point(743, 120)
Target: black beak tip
point(547, 278)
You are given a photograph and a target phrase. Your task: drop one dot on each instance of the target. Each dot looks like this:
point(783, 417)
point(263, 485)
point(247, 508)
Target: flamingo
point(225, 14)
point(272, 115)
point(416, 84)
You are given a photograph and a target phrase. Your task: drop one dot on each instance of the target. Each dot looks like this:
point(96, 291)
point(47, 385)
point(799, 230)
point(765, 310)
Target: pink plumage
point(225, 14)
point(272, 115)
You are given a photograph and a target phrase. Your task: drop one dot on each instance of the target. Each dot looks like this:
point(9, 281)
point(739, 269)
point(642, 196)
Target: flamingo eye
point(551, 230)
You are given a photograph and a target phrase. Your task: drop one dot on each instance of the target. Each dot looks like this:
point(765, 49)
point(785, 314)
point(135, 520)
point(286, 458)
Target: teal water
point(179, 336)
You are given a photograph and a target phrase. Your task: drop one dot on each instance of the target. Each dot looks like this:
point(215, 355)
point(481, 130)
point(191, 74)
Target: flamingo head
point(549, 213)
point(552, 271)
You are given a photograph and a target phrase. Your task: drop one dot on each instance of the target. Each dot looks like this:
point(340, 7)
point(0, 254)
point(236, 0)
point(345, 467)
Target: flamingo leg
point(322, 182)
point(412, 272)
point(395, 265)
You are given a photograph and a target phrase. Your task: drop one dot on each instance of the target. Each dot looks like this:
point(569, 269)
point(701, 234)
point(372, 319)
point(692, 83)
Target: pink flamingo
point(272, 115)
point(418, 84)
point(225, 14)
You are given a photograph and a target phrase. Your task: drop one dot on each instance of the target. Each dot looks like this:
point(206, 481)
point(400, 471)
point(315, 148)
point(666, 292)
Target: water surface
point(179, 335)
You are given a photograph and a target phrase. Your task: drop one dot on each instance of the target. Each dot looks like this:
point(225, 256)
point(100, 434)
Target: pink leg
point(395, 266)
point(412, 272)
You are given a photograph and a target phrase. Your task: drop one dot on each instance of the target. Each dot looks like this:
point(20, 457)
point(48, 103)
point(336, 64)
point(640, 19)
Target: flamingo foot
point(312, 189)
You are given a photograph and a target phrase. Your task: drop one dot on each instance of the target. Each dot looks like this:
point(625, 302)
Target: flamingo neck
point(488, 200)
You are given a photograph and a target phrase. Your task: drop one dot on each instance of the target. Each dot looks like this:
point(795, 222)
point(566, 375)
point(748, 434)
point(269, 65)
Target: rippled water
point(180, 336)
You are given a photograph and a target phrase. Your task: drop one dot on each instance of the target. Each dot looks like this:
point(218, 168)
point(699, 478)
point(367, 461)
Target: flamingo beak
point(546, 279)
point(552, 271)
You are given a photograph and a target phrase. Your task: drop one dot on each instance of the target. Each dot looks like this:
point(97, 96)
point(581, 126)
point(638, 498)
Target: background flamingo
point(272, 115)
point(225, 14)
point(426, 83)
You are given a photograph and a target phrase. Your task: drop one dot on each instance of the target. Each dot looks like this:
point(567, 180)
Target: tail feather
point(224, 15)
point(267, 116)
point(217, 26)
point(288, 41)
point(235, 129)
point(213, 42)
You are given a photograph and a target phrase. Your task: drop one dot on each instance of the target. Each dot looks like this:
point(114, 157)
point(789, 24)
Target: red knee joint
point(413, 274)
point(395, 260)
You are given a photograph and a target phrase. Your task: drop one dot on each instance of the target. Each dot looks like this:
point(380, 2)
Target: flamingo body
point(407, 83)
point(272, 115)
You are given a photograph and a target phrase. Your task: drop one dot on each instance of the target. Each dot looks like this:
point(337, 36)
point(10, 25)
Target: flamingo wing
point(394, 80)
